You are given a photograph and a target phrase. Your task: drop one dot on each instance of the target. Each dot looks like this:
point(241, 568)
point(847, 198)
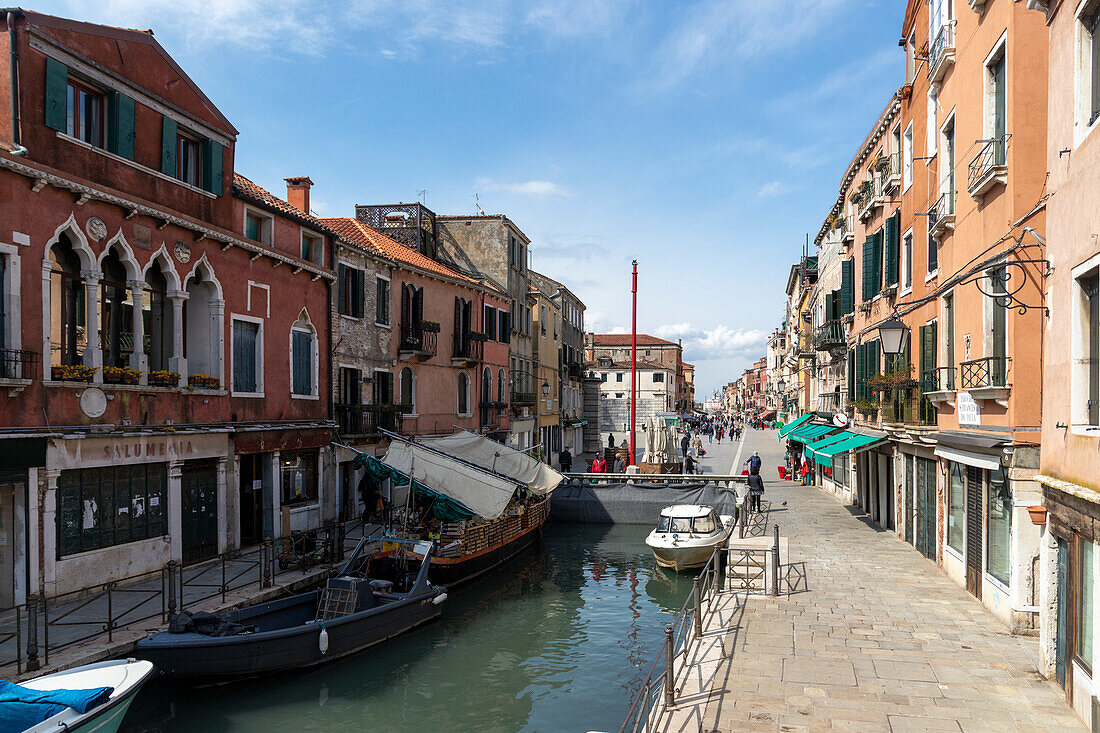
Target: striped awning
point(792, 425)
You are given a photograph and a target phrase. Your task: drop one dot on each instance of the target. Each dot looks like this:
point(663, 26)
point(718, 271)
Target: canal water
point(557, 641)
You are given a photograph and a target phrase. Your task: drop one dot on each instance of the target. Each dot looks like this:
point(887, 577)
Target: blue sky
point(704, 139)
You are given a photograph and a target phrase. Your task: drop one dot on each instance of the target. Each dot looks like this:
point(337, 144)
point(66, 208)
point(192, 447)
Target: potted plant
point(429, 326)
point(478, 336)
point(202, 381)
point(1038, 514)
point(72, 373)
point(120, 375)
point(163, 378)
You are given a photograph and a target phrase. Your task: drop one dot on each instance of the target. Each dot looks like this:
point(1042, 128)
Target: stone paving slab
point(874, 638)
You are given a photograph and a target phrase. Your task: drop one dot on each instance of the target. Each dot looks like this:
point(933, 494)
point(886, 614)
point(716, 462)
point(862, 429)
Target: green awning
point(578, 423)
point(811, 449)
point(792, 425)
point(809, 433)
point(824, 456)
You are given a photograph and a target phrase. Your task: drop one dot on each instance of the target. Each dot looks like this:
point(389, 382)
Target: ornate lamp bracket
point(1012, 276)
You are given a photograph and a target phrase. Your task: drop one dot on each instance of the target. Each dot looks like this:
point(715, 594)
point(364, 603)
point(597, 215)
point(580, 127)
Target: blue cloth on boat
point(22, 707)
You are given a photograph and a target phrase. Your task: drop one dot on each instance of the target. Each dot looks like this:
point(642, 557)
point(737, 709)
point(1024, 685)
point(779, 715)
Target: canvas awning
point(970, 458)
point(851, 441)
point(810, 449)
point(481, 492)
point(810, 433)
point(538, 477)
point(792, 425)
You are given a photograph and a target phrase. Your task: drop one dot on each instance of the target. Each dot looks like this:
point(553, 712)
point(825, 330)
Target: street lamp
point(782, 386)
point(545, 389)
point(891, 334)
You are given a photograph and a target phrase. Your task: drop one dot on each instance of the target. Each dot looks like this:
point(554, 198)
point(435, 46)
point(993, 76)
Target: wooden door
point(251, 499)
point(910, 502)
point(7, 544)
point(199, 510)
point(926, 508)
point(974, 478)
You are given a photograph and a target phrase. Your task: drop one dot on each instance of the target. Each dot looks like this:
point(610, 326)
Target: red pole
point(633, 360)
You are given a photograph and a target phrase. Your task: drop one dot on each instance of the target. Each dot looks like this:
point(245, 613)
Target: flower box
point(202, 381)
point(72, 373)
point(477, 336)
point(120, 375)
point(162, 378)
point(430, 326)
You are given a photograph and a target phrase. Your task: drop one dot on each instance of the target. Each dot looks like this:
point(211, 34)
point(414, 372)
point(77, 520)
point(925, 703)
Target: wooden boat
point(354, 611)
point(125, 677)
point(687, 534)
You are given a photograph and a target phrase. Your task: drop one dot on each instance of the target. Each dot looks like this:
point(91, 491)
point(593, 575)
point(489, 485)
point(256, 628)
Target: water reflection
point(558, 642)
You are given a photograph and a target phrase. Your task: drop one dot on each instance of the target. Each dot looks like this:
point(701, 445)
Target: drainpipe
point(13, 62)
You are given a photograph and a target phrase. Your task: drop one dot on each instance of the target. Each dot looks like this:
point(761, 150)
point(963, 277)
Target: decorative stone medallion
point(183, 251)
point(93, 402)
point(96, 229)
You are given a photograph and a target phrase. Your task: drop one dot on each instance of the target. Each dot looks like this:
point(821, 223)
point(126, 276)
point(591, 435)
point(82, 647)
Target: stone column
point(48, 541)
point(223, 506)
point(47, 316)
point(276, 495)
point(177, 363)
point(139, 361)
point(217, 340)
point(175, 509)
point(93, 354)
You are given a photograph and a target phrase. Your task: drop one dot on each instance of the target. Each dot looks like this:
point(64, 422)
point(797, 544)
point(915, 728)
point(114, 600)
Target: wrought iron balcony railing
point(989, 371)
point(367, 419)
point(831, 401)
point(990, 159)
point(830, 335)
point(418, 340)
point(938, 379)
point(523, 398)
point(465, 347)
point(941, 51)
point(18, 364)
point(907, 408)
point(942, 213)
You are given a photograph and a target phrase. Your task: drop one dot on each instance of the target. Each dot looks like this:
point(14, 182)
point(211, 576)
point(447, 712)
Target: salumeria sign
point(88, 452)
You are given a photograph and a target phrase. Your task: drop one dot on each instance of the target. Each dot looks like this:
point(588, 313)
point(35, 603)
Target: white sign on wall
point(968, 410)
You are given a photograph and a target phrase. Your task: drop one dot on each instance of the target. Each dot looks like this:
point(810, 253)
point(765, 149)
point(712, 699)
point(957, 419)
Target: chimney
point(297, 192)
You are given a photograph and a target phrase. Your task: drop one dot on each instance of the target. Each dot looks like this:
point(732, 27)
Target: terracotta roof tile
point(372, 240)
point(623, 339)
point(257, 193)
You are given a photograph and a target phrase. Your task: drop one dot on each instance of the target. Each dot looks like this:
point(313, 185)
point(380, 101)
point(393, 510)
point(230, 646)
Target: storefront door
point(199, 510)
point(926, 508)
point(7, 543)
point(252, 498)
point(974, 531)
point(910, 501)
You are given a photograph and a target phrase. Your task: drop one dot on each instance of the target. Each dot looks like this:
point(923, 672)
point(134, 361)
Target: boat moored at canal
point(687, 534)
point(118, 683)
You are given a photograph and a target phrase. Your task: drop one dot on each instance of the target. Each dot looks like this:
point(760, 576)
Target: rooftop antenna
point(477, 205)
point(423, 196)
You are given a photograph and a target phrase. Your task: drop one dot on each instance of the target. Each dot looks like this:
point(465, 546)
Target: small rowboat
point(687, 534)
point(124, 677)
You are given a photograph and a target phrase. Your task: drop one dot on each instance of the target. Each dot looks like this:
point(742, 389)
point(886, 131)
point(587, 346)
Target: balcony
point(890, 167)
point(986, 378)
point(849, 234)
point(941, 217)
point(868, 198)
point(466, 350)
point(988, 168)
point(365, 420)
point(490, 414)
point(806, 348)
point(905, 407)
point(938, 384)
point(941, 55)
point(419, 342)
point(18, 368)
point(831, 337)
point(831, 401)
point(413, 225)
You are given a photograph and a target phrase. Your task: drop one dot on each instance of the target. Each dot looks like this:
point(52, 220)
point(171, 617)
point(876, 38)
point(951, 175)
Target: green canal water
point(557, 641)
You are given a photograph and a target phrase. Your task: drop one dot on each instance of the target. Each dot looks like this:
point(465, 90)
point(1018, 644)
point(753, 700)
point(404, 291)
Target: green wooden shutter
point(866, 265)
point(358, 296)
point(847, 286)
point(893, 224)
point(168, 143)
point(341, 288)
point(57, 95)
point(120, 125)
point(212, 167)
point(929, 382)
point(876, 268)
point(852, 375)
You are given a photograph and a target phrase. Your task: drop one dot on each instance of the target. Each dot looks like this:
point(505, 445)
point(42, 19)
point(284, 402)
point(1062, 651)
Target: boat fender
point(322, 640)
point(439, 599)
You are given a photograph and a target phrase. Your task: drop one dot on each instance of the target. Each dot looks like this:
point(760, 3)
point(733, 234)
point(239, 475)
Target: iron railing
point(367, 419)
point(991, 155)
point(945, 41)
point(830, 335)
point(45, 625)
point(938, 379)
point(905, 407)
point(989, 371)
point(417, 339)
point(831, 401)
point(943, 208)
point(465, 347)
point(18, 364)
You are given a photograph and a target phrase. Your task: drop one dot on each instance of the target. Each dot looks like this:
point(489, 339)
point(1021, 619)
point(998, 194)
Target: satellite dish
point(840, 420)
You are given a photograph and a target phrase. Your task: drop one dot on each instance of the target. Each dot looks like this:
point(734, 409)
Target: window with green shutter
point(876, 264)
point(890, 261)
point(57, 90)
point(867, 267)
point(847, 286)
point(169, 140)
point(212, 167)
point(302, 362)
point(120, 125)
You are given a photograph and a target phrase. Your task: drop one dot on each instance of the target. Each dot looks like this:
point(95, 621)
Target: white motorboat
point(125, 677)
point(687, 534)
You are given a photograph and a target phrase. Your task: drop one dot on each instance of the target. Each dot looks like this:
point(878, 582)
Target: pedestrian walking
point(754, 463)
point(710, 435)
point(696, 446)
point(684, 443)
point(620, 463)
point(611, 440)
point(599, 465)
point(689, 465)
point(756, 490)
point(565, 460)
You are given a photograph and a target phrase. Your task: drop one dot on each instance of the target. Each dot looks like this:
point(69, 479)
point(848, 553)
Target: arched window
point(408, 389)
point(500, 387)
point(68, 335)
point(486, 385)
point(157, 319)
point(463, 394)
point(203, 321)
point(116, 313)
point(303, 357)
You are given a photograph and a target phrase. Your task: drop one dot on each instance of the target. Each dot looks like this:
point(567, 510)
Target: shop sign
point(134, 448)
point(968, 410)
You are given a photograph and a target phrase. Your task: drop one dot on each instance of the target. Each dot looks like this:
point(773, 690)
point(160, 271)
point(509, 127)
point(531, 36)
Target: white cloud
point(619, 329)
point(720, 342)
point(532, 189)
point(771, 189)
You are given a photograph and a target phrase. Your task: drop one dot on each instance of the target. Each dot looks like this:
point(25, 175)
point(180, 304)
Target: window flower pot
point(72, 373)
point(1038, 514)
point(164, 379)
point(202, 381)
point(120, 375)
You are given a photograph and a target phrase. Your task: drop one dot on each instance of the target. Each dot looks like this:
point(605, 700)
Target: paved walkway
point(874, 637)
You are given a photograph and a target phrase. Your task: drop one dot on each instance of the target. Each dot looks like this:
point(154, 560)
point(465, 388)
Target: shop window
point(247, 357)
point(1085, 603)
point(299, 477)
point(68, 335)
point(956, 507)
point(998, 525)
point(103, 507)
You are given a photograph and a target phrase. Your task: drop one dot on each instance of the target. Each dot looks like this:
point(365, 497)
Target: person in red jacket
point(599, 465)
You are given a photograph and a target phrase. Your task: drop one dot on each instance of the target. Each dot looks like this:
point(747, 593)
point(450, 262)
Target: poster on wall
point(968, 410)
